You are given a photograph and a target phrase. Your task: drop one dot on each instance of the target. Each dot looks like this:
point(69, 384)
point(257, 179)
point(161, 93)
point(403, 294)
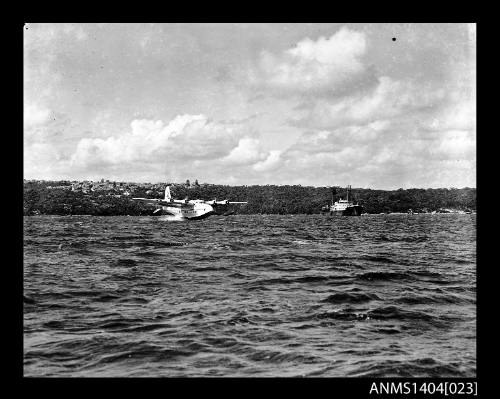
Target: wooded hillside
point(60, 199)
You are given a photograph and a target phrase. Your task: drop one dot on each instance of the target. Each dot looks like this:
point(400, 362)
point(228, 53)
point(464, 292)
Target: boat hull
point(355, 210)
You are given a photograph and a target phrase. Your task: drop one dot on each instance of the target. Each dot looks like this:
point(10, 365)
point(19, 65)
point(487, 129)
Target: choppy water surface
point(377, 295)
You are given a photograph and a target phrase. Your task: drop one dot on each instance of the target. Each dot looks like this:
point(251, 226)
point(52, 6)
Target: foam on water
point(170, 218)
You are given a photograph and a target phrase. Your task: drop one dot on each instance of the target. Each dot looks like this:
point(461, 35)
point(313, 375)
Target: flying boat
point(188, 209)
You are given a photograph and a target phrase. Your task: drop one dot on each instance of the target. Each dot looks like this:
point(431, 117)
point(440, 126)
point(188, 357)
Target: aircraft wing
point(224, 202)
point(176, 205)
point(162, 202)
point(152, 201)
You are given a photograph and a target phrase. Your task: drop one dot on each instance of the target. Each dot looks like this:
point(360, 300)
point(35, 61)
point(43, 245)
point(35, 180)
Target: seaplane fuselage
point(192, 210)
point(185, 209)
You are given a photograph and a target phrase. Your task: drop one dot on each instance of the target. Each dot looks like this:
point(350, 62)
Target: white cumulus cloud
point(248, 151)
point(325, 64)
point(35, 115)
point(388, 99)
point(186, 137)
point(273, 161)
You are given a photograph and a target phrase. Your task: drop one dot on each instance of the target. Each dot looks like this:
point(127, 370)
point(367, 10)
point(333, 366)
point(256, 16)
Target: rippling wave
point(267, 295)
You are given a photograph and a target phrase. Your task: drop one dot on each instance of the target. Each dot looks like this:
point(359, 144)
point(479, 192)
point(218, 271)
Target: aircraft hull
point(197, 212)
point(203, 216)
point(197, 217)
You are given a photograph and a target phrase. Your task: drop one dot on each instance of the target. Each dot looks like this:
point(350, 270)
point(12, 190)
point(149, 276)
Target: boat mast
point(348, 189)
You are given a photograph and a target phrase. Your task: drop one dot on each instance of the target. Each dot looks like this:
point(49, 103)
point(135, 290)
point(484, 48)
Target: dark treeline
point(44, 198)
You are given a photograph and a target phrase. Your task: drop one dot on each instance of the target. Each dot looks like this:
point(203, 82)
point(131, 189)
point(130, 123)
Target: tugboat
point(343, 207)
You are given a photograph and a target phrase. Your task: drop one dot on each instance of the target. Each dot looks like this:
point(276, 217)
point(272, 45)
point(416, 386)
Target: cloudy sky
point(310, 104)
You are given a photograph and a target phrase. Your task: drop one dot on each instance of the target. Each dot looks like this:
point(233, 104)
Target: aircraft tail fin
point(168, 197)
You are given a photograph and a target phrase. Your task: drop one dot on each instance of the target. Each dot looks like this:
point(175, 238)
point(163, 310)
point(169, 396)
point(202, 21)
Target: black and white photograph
point(249, 200)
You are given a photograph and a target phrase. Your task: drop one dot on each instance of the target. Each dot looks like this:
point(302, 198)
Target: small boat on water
point(343, 207)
